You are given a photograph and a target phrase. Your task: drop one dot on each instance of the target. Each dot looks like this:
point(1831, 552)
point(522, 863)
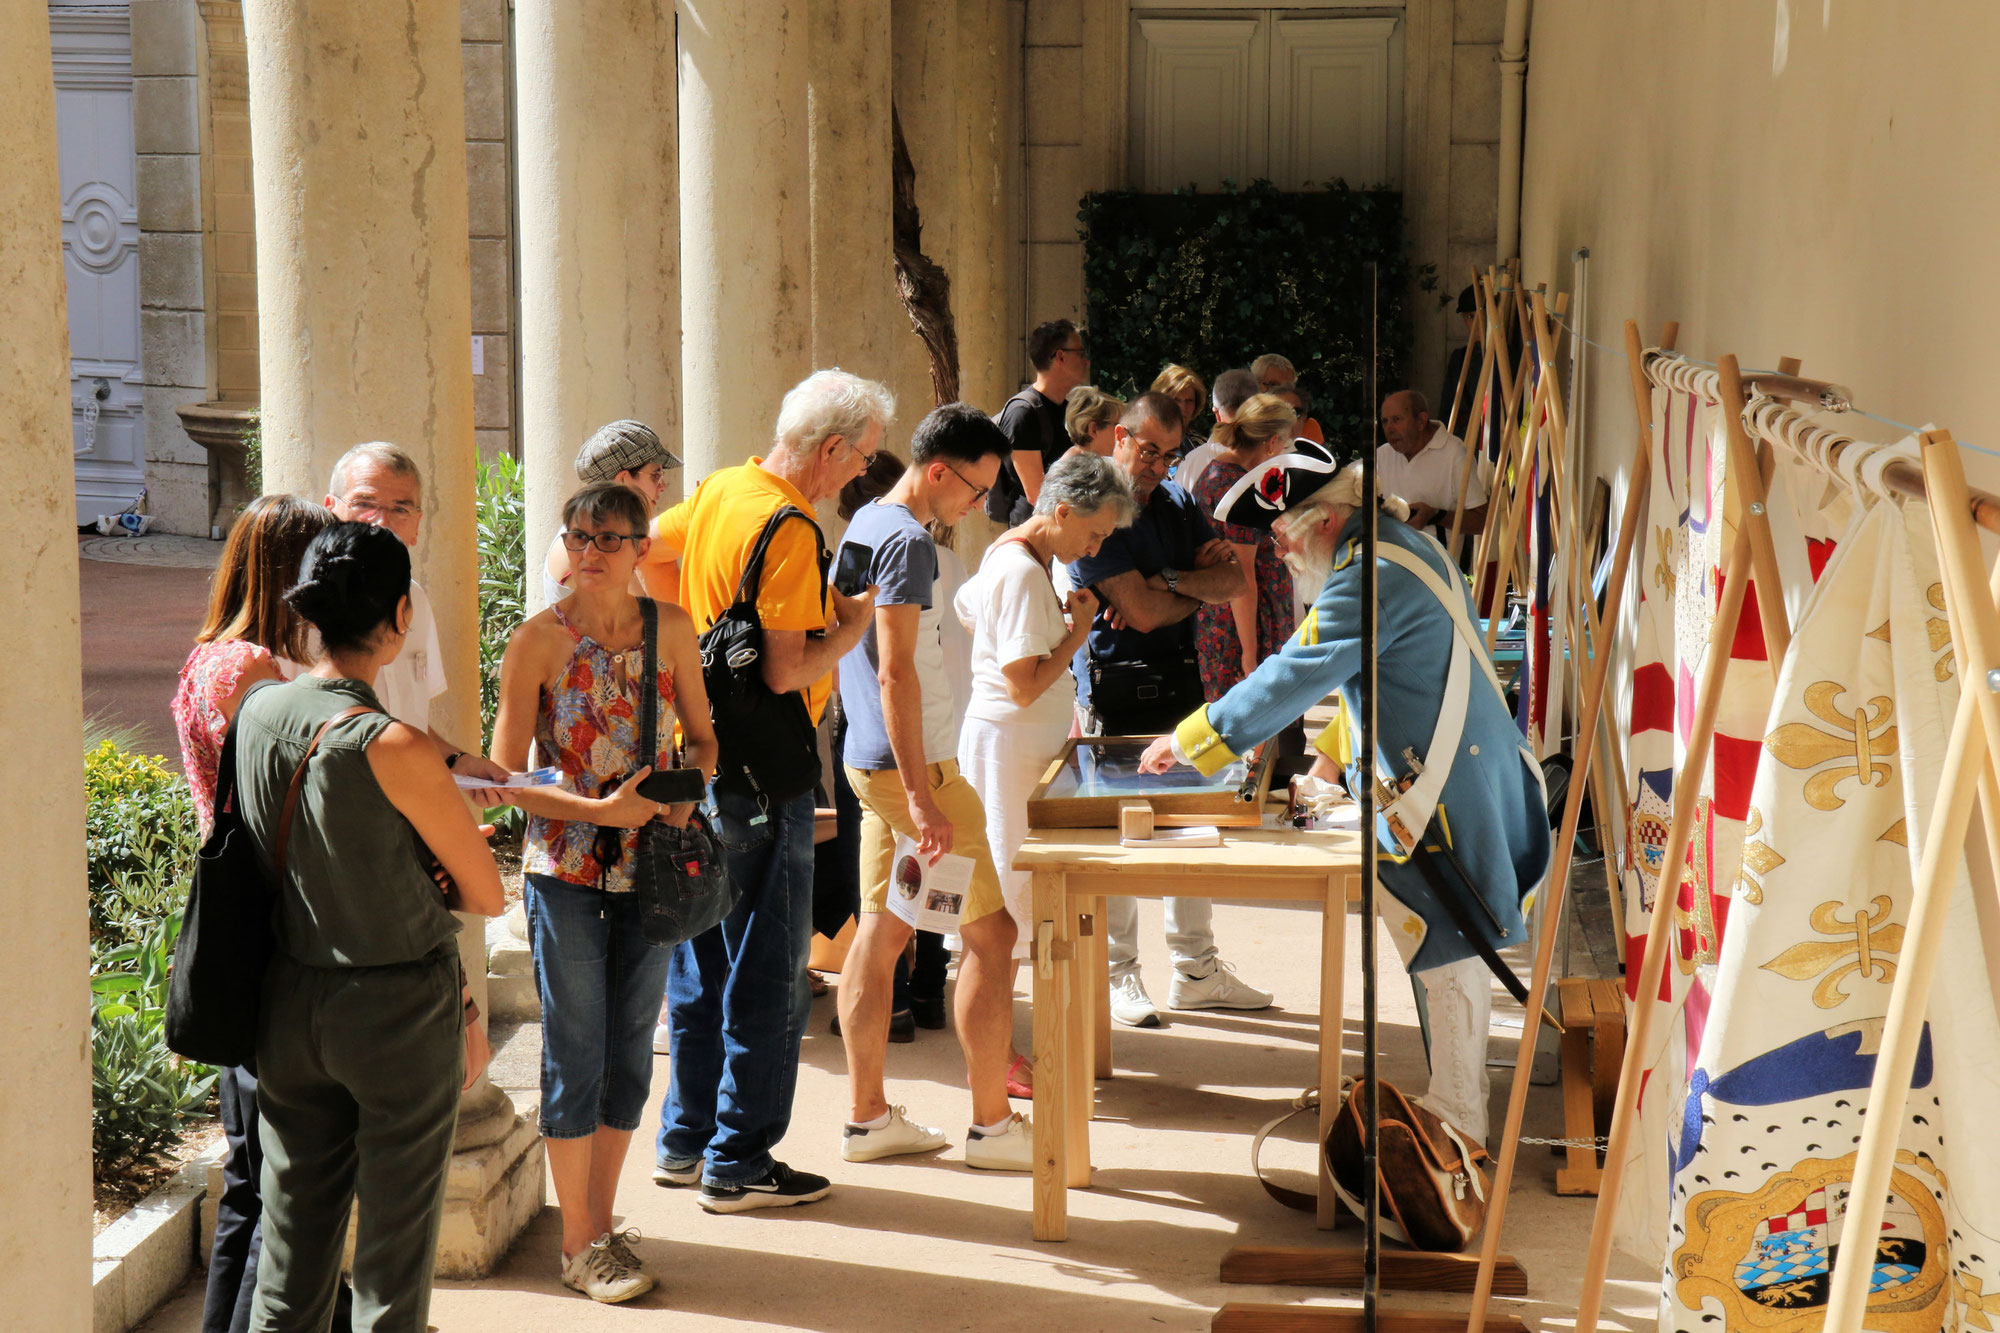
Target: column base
point(496, 1184)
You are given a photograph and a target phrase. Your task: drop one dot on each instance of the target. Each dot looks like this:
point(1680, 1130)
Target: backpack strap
point(752, 580)
point(649, 689)
point(299, 781)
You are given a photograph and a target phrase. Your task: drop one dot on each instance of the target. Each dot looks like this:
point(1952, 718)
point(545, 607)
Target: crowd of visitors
point(1113, 602)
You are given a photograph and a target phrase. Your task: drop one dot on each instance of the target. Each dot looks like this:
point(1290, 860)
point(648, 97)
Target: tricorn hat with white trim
point(1278, 484)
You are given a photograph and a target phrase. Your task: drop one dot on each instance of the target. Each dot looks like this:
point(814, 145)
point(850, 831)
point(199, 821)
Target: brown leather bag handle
point(299, 782)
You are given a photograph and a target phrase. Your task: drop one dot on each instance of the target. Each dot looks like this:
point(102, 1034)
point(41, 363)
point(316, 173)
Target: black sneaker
point(902, 1027)
point(928, 1013)
point(780, 1187)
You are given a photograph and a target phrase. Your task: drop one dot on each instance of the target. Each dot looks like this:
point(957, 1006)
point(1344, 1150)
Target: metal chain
point(1602, 1141)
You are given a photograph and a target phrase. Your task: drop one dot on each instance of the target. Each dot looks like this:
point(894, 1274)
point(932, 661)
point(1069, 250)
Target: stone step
point(510, 971)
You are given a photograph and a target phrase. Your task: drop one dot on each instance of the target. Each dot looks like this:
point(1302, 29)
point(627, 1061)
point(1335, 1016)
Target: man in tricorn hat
point(1462, 819)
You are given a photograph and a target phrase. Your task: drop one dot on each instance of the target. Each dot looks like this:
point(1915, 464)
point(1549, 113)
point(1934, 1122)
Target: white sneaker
point(1220, 989)
point(900, 1135)
point(601, 1273)
point(1131, 1005)
point(660, 1036)
point(1011, 1150)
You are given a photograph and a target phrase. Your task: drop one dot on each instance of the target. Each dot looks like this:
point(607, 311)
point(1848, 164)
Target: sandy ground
point(925, 1243)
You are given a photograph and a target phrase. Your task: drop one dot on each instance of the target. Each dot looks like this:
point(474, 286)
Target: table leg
point(1079, 1090)
point(1100, 993)
point(1051, 1210)
point(1332, 1003)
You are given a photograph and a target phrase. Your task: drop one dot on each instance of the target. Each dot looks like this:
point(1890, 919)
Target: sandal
point(1020, 1078)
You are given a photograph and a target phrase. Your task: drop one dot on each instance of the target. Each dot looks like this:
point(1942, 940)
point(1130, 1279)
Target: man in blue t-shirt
point(1138, 667)
point(901, 755)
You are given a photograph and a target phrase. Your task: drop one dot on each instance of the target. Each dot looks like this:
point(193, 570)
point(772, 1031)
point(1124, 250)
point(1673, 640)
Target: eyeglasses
point(607, 542)
point(1076, 351)
point(398, 511)
point(1149, 457)
point(978, 491)
point(845, 443)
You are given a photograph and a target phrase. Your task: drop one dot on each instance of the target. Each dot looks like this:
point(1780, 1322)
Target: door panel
point(100, 231)
point(1332, 103)
point(1197, 98)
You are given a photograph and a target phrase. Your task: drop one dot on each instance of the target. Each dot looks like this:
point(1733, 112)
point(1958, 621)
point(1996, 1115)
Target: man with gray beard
point(1462, 819)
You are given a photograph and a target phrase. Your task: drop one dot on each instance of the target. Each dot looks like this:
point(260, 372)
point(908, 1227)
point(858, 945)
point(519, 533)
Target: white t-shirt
point(953, 636)
point(407, 685)
point(1432, 476)
point(1012, 609)
point(1194, 464)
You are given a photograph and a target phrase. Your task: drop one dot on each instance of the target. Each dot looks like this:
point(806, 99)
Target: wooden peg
point(1135, 819)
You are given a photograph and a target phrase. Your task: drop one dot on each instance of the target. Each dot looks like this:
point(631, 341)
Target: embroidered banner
point(1761, 1142)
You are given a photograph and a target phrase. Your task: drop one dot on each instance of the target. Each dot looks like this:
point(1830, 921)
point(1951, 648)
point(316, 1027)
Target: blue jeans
point(600, 984)
point(737, 1000)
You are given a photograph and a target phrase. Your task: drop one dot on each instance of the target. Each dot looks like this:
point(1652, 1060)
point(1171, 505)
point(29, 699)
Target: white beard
point(1310, 571)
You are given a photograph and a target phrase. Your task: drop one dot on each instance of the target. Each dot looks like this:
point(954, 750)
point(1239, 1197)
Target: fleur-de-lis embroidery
point(1940, 632)
point(1759, 860)
point(1865, 951)
point(1663, 572)
point(1860, 738)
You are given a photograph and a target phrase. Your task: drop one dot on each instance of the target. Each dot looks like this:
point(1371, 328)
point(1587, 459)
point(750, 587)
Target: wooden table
point(1074, 871)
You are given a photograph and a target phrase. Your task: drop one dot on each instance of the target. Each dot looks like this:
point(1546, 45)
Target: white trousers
point(1190, 935)
point(1461, 1011)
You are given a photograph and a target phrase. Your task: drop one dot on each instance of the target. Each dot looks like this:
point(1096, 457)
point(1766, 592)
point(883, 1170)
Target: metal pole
point(1371, 1244)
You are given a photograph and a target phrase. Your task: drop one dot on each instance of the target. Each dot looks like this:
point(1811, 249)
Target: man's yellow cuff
point(1202, 744)
point(1336, 738)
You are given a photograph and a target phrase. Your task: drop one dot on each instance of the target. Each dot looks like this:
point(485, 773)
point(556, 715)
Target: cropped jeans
point(738, 1002)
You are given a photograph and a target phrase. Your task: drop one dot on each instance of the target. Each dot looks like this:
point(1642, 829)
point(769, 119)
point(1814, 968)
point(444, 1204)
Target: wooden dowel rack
point(1809, 395)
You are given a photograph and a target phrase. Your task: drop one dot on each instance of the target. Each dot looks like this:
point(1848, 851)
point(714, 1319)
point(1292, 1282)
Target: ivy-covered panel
point(1213, 280)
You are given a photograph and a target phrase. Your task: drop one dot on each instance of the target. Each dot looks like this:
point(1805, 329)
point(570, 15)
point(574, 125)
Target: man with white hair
point(1425, 464)
point(737, 997)
point(1462, 817)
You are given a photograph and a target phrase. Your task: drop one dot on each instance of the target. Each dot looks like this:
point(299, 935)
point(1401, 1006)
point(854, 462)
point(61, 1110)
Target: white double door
point(100, 237)
point(1299, 97)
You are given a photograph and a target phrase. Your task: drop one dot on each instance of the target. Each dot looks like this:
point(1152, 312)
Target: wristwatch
point(1173, 578)
point(451, 760)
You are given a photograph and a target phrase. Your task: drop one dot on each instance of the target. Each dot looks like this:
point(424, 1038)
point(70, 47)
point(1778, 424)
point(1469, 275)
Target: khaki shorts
point(885, 813)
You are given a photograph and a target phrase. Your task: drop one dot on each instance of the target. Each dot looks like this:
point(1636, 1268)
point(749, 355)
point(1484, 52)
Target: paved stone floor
point(142, 601)
point(924, 1243)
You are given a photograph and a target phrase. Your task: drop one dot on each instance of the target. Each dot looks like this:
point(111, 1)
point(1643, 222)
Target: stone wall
point(167, 59)
point(489, 121)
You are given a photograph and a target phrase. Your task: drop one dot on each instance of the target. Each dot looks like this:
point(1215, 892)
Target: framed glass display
point(1093, 775)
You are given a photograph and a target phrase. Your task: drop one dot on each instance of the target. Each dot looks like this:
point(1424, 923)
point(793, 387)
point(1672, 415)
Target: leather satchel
point(680, 874)
point(215, 991)
point(1433, 1190)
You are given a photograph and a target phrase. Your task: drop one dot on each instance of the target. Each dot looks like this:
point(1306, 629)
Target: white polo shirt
point(406, 685)
point(1432, 476)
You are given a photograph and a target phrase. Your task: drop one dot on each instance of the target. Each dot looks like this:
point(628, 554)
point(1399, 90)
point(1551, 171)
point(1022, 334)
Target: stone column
point(44, 952)
point(746, 239)
point(600, 237)
point(357, 128)
point(982, 269)
point(858, 321)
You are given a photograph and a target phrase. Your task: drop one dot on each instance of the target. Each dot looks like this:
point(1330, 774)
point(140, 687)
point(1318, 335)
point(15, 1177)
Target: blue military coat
point(1492, 812)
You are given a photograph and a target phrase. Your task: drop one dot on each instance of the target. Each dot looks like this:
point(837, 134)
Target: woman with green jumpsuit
point(360, 1052)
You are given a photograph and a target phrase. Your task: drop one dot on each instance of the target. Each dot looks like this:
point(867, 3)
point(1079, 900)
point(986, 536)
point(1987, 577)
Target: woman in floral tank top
point(572, 683)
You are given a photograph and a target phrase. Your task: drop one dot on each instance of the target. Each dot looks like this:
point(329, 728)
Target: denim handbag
point(680, 874)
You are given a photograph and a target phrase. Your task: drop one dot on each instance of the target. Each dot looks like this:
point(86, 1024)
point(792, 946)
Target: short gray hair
point(1087, 482)
point(379, 452)
point(831, 402)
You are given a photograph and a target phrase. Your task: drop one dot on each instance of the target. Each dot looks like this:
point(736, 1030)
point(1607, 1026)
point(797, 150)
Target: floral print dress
point(588, 726)
point(211, 674)
point(1215, 640)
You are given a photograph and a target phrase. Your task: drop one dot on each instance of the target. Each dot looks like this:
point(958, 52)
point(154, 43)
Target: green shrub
point(140, 839)
point(142, 1094)
point(1212, 280)
point(503, 594)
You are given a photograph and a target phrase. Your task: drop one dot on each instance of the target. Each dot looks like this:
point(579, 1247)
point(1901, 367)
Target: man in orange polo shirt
point(737, 999)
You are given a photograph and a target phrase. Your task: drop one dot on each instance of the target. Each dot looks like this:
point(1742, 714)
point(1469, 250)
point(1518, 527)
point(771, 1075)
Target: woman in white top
point(1023, 696)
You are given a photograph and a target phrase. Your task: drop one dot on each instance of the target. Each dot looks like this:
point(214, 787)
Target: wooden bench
point(1593, 1049)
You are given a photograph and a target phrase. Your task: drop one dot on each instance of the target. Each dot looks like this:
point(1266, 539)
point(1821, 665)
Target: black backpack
point(770, 749)
point(1007, 489)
